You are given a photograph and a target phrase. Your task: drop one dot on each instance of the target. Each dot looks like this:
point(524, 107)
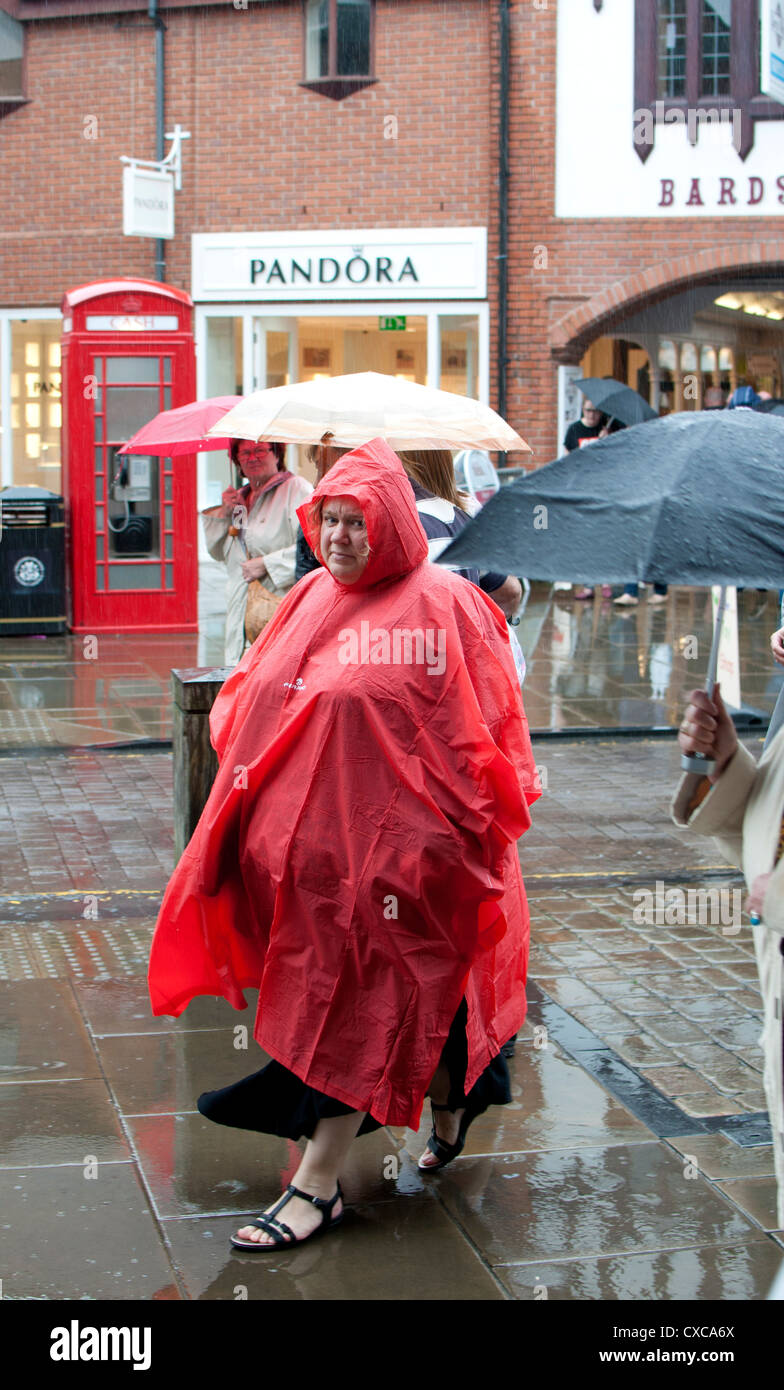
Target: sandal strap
point(324, 1204)
point(277, 1229)
point(444, 1152)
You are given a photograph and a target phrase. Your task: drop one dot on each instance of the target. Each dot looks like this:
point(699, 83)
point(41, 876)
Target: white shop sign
point(148, 202)
point(365, 264)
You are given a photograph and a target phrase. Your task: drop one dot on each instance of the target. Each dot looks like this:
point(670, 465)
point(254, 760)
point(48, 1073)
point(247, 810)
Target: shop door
point(274, 361)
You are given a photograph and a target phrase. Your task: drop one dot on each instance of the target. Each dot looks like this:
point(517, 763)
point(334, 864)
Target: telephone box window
point(124, 577)
point(127, 369)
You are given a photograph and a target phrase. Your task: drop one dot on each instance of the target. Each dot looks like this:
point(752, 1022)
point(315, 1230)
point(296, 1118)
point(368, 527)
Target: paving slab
point(392, 1251)
point(707, 1273)
point(55, 1123)
point(70, 1236)
point(589, 1201)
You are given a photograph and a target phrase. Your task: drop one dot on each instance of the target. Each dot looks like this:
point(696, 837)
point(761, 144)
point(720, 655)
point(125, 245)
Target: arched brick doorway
point(684, 328)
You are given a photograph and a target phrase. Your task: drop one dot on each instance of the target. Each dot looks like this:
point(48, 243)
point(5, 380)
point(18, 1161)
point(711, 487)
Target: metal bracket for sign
point(172, 164)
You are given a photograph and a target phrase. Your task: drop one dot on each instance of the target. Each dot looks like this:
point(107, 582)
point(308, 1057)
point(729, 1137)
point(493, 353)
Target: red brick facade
point(265, 152)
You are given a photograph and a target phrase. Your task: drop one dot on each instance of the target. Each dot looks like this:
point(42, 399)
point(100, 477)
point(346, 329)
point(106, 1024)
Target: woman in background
point(265, 513)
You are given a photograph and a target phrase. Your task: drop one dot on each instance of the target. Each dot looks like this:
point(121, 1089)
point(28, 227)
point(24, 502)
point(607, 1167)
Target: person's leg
point(317, 1175)
point(447, 1122)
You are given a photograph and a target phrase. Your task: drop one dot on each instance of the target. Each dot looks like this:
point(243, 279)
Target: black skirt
point(275, 1101)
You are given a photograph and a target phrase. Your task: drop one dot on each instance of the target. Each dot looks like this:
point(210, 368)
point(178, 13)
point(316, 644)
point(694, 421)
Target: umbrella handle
point(697, 762)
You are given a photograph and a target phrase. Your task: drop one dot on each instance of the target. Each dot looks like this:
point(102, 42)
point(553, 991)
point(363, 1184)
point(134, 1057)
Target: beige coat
point(743, 812)
point(272, 532)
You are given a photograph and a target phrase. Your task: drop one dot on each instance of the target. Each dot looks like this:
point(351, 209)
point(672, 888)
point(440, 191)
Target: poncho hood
point(374, 476)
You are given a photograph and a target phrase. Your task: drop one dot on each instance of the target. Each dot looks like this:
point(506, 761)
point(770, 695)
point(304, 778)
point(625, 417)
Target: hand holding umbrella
point(708, 732)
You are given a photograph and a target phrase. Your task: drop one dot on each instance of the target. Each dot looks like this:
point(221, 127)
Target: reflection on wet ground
point(81, 690)
point(594, 664)
point(590, 665)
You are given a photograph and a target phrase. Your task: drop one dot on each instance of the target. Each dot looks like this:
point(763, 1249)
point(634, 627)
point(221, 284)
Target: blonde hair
point(434, 471)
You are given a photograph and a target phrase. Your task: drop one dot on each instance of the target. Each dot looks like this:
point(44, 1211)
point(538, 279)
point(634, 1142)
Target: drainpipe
point(503, 209)
point(160, 151)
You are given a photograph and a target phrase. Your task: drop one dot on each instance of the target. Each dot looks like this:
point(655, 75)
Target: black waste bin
point(32, 562)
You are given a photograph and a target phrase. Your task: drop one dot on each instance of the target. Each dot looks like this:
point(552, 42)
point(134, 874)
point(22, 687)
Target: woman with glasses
point(254, 531)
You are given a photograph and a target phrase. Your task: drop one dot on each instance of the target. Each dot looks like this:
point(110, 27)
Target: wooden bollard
point(195, 764)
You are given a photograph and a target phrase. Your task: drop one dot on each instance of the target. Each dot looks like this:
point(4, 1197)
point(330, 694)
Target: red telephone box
point(128, 352)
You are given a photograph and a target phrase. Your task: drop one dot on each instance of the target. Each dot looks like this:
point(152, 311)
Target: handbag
point(259, 609)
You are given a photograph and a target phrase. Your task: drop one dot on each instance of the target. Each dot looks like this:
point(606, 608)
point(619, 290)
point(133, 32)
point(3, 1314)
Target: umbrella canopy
point(617, 400)
point(184, 430)
point(369, 405)
point(694, 498)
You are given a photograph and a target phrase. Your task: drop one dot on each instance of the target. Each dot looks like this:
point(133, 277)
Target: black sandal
point(282, 1235)
point(445, 1152)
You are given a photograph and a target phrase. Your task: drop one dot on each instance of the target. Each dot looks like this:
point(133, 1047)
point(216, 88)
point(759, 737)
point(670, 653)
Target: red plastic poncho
point(357, 856)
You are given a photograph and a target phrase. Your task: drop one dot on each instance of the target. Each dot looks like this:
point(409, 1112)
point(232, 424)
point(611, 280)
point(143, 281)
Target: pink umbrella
point(182, 431)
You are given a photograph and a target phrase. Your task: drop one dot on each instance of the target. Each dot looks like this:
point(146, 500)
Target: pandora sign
point(379, 264)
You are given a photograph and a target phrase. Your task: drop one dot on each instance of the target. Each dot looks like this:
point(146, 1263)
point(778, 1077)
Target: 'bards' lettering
point(756, 186)
point(694, 199)
point(727, 191)
point(667, 193)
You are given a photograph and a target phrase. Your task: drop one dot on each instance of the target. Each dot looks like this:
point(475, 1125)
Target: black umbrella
point(694, 498)
point(617, 400)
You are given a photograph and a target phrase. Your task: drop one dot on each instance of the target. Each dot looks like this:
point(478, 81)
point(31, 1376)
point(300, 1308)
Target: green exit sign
point(392, 325)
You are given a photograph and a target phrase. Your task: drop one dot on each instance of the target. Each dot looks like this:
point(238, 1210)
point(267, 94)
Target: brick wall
point(265, 152)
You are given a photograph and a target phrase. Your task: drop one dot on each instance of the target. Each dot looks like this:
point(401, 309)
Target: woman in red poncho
point(357, 858)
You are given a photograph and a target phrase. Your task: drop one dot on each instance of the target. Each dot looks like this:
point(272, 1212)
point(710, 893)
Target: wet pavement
point(634, 1162)
point(590, 665)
